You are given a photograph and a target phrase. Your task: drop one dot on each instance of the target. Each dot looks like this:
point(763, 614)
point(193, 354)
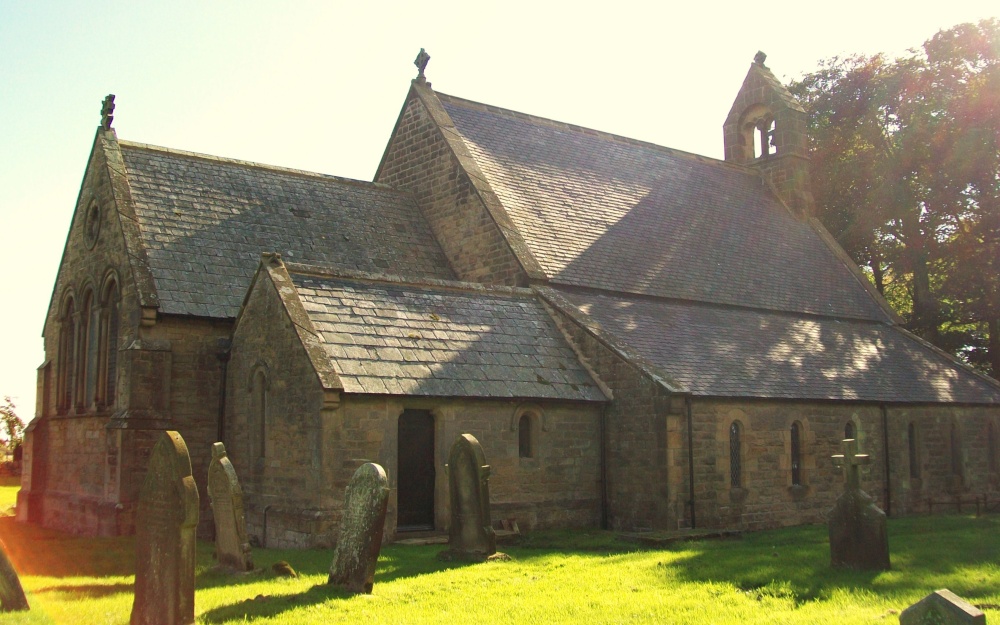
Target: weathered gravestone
point(361, 526)
point(166, 519)
point(232, 549)
point(12, 597)
point(942, 607)
point(858, 536)
point(471, 536)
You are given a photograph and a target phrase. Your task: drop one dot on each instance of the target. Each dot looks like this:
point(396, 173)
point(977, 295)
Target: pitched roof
point(607, 212)
point(205, 221)
point(721, 351)
point(446, 339)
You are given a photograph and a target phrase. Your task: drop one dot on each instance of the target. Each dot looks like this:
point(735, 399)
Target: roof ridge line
point(552, 123)
point(256, 165)
point(320, 271)
point(559, 286)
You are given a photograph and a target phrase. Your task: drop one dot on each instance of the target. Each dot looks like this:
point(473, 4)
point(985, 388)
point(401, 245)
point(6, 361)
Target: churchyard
point(781, 576)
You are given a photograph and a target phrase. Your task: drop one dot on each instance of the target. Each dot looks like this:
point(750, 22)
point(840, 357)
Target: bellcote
point(766, 129)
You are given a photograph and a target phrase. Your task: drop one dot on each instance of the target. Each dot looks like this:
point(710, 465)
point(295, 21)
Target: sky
point(318, 86)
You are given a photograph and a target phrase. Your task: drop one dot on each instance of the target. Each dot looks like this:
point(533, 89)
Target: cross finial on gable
point(421, 63)
point(107, 111)
point(851, 462)
point(759, 58)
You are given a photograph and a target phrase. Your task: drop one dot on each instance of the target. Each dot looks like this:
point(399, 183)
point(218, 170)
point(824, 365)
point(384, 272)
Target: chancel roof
point(610, 213)
point(442, 340)
point(723, 351)
point(205, 221)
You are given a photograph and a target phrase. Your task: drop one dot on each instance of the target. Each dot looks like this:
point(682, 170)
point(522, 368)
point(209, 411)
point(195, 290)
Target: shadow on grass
point(264, 606)
point(89, 591)
point(926, 553)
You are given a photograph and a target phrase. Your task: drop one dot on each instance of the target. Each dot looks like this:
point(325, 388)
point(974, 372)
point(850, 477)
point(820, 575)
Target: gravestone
point(858, 536)
point(12, 597)
point(232, 549)
point(942, 607)
point(471, 536)
point(361, 526)
point(166, 519)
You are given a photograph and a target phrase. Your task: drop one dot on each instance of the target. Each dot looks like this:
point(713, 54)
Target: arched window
point(849, 431)
point(956, 451)
point(763, 143)
point(109, 345)
point(258, 426)
point(796, 440)
point(66, 366)
point(911, 433)
point(90, 317)
point(991, 448)
point(524, 438)
point(735, 455)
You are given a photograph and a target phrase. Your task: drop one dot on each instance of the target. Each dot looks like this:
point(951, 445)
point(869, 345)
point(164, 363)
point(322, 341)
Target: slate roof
point(606, 212)
point(720, 351)
point(205, 221)
point(395, 339)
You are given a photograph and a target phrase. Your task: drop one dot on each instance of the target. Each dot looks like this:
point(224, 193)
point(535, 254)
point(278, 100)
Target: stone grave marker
point(942, 607)
point(361, 526)
point(471, 536)
point(12, 597)
point(232, 549)
point(166, 519)
point(857, 527)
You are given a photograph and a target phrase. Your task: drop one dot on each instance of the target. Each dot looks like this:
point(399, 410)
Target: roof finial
point(421, 63)
point(759, 58)
point(107, 111)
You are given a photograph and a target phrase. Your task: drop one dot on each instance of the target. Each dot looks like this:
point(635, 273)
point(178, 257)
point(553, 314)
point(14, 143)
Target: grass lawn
point(778, 576)
point(8, 493)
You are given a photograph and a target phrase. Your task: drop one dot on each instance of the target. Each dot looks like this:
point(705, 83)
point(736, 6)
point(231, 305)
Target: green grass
point(8, 493)
point(778, 576)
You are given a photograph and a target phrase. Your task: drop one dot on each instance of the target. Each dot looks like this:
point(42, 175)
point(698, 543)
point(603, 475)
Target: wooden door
point(415, 473)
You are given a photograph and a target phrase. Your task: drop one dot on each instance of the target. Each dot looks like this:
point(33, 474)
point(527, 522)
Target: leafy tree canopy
point(906, 174)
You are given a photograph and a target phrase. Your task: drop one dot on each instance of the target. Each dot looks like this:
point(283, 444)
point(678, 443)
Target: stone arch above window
point(757, 132)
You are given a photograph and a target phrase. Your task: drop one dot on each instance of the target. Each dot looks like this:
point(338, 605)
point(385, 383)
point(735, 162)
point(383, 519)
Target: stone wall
point(68, 481)
point(766, 496)
point(558, 487)
point(287, 487)
point(935, 474)
point(188, 368)
point(312, 450)
point(645, 438)
point(419, 159)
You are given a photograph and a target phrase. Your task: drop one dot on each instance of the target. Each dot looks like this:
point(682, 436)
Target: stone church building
point(639, 337)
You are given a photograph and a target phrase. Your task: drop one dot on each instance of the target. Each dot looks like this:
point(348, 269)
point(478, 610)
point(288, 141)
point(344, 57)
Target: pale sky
point(318, 86)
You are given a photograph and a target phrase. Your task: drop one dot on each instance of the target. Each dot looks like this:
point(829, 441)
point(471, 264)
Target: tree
point(906, 169)
point(11, 424)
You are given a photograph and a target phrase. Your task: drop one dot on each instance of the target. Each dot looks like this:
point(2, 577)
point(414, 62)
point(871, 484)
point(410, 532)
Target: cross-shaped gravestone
point(858, 537)
point(851, 461)
point(107, 110)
